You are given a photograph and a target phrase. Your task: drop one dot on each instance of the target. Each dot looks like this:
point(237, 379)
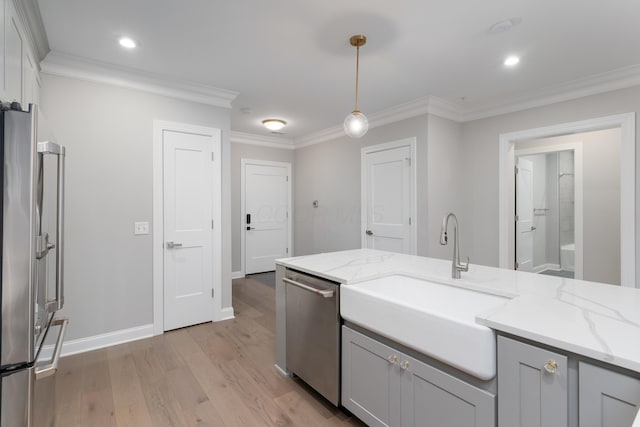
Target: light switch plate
point(140, 228)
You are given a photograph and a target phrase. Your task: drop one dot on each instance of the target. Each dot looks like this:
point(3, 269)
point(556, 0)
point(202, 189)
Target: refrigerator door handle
point(51, 368)
point(48, 147)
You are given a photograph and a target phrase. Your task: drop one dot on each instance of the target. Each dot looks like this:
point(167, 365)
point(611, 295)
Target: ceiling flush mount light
point(511, 61)
point(127, 42)
point(356, 123)
point(274, 124)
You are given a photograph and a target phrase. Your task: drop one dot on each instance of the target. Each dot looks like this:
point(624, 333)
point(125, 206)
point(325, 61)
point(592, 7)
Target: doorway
point(623, 222)
point(389, 197)
point(265, 207)
point(187, 242)
point(549, 208)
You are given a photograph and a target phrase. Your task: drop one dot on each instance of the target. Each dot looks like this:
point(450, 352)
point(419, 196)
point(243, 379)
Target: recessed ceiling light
point(274, 124)
point(127, 42)
point(511, 61)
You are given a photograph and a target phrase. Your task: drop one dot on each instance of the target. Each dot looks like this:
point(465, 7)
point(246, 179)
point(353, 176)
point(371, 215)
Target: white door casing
point(524, 215)
point(187, 216)
point(389, 197)
point(266, 214)
point(627, 124)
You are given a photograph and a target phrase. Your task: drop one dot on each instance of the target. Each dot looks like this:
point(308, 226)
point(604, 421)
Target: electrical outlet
point(140, 228)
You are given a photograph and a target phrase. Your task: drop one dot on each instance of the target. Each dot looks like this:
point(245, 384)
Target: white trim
point(407, 110)
point(29, 13)
point(237, 275)
point(543, 267)
point(95, 342)
point(226, 314)
point(261, 140)
point(159, 127)
point(578, 191)
point(65, 65)
point(282, 371)
point(463, 111)
point(243, 213)
point(407, 142)
point(627, 124)
point(621, 78)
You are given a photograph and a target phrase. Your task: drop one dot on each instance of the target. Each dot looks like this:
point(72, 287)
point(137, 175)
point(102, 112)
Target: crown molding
point(65, 65)
point(29, 13)
point(425, 105)
point(620, 78)
point(264, 141)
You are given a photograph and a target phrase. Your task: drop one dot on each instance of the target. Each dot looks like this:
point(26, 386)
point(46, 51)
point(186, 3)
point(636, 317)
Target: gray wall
point(480, 159)
point(108, 132)
point(601, 200)
point(330, 173)
point(239, 152)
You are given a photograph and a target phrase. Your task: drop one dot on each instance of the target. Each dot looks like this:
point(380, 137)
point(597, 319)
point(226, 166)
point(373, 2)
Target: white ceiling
point(291, 59)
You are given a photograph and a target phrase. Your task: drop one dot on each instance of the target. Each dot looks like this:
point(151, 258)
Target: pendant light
point(356, 123)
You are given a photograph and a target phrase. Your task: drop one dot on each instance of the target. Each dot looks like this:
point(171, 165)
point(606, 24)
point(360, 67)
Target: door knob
point(533, 228)
point(369, 233)
point(172, 245)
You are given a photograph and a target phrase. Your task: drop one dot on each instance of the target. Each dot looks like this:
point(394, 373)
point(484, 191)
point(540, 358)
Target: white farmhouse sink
point(435, 319)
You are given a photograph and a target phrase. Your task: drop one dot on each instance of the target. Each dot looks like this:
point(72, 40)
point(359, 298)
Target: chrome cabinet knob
point(369, 233)
point(392, 359)
point(551, 366)
point(404, 365)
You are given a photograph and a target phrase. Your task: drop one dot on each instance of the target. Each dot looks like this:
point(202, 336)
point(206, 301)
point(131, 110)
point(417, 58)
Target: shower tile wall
point(566, 183)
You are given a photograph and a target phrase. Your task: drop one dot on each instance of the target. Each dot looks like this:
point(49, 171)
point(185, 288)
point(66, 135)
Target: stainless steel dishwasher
point(313, 332)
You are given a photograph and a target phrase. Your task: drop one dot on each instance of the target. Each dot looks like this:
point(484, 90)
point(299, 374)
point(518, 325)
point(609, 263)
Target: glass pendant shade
point(356, 124)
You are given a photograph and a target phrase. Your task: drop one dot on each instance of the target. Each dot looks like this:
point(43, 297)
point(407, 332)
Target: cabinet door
point(13, 55)
point(607, 398)
point(431, 397)
point(528, 394)
point(370, 379)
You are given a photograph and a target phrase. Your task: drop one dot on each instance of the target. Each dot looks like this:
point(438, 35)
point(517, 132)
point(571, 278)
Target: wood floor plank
point(216, 374)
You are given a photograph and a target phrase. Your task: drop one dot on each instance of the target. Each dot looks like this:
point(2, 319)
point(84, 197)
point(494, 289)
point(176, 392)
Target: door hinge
point(409, 220)
point(287, 178)
point(515, 170)
point(213, 156)
point(286, 251)
point(517, 218)
point(212, 224)
point(213, 293)
point(516, 265)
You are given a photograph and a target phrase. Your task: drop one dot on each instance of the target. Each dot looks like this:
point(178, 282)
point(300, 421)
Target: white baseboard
point(282, 371)
point(95, 342)
point(237, 275)
point(544, 267)
point(226, 314)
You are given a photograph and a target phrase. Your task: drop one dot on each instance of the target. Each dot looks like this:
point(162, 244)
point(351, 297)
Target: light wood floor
point(215, 374)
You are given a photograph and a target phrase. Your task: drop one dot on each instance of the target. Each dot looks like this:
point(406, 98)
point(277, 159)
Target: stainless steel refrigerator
point(32, 279)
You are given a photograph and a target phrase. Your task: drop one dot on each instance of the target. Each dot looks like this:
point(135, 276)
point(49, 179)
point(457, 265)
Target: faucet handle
point(463, 266)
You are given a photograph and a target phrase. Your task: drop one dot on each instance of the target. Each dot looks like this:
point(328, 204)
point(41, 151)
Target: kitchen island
point(588, 323)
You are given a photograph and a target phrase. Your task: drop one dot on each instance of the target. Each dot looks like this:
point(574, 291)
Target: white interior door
point(188, 164)
point(265, 214)
point(387, 200)
point(524, 215)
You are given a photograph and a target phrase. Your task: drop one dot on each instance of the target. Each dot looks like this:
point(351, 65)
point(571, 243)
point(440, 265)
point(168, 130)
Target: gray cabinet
point(386, 387)
point(607, 398)
point(532, 386)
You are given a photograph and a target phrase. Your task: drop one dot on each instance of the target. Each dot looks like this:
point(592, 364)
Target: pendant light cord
point(357, 70)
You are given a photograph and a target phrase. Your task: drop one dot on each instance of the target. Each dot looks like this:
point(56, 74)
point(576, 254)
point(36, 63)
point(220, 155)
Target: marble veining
point(596, 320)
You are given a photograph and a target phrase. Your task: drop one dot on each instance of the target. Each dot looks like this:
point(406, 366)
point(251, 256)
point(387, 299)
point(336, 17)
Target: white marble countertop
point(596, 320)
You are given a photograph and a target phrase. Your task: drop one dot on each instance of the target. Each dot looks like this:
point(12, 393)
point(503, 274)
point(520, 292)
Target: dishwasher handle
point(328, 293)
